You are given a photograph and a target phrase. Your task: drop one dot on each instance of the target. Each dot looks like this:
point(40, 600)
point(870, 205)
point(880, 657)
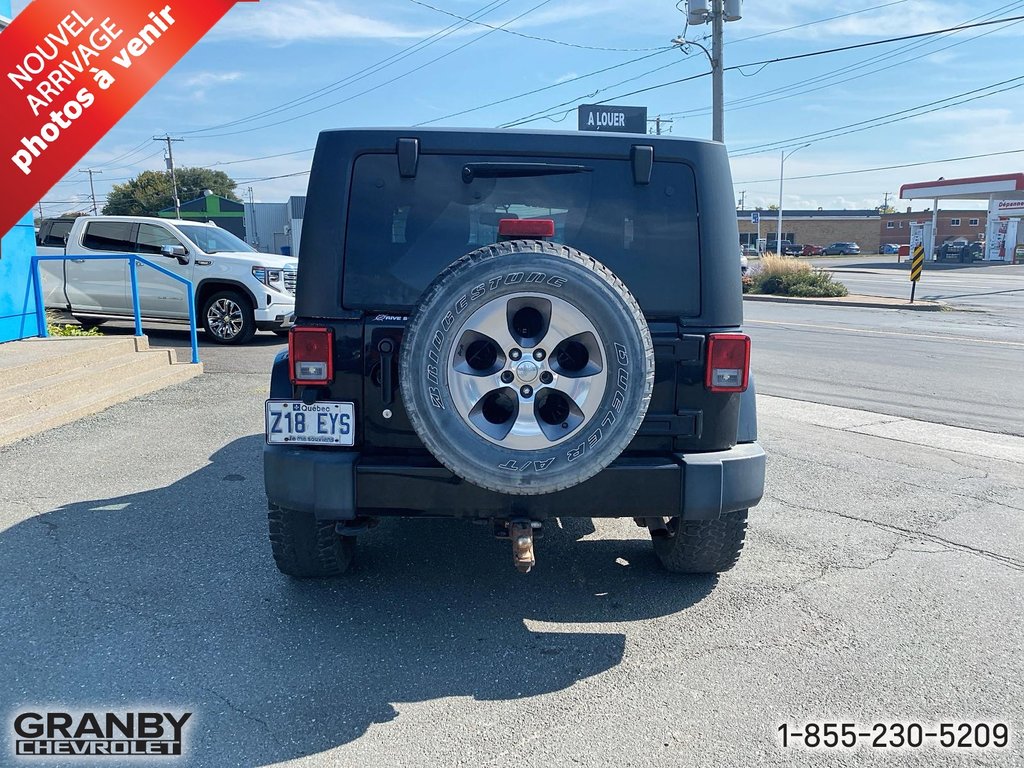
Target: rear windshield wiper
point(472, 171)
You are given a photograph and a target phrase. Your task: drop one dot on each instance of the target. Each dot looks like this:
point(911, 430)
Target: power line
point(534, 37)
point(552, 111)
point(359, 74)
point(799, 88)
point(633, 61)
point(264, 157)
point(549, 87)
point(873, 122)
point(379, 85)
point(886, 167)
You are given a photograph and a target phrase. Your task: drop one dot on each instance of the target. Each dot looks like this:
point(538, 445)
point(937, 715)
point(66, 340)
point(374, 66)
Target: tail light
point(526, 227)
point(728, 362)
point(311, 352)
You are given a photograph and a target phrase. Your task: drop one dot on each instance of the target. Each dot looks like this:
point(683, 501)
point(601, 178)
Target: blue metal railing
point(131, 258)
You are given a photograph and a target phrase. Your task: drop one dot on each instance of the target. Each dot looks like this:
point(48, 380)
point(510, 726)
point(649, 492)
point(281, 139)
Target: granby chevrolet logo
point(99, 734)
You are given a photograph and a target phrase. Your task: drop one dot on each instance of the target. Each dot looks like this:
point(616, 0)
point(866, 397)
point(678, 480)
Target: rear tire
point(307, 548)
point(701, 546)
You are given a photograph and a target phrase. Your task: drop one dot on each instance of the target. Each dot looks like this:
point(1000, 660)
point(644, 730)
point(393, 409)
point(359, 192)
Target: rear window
point(402, 232)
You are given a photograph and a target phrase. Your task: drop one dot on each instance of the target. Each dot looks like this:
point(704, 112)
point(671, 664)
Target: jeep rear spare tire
point(527, 367)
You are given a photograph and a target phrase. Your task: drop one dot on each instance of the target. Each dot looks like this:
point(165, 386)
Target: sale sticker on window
point(70, 69)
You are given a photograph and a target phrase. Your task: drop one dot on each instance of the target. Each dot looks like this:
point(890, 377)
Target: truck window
point(56, 233)
point(114, 236)
point(152, 238)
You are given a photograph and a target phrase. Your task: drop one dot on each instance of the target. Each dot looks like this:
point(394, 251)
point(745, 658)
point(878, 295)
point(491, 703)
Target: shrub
point(57, 328)
point(788, 277)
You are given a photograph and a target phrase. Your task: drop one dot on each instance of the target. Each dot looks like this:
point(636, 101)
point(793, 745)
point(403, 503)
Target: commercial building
point(275, 227)
point(812, 227)
point(966, 224)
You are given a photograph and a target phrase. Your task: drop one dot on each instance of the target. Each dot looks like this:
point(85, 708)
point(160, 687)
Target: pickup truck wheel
point(701, 546)
point(306, 548)
point(527, 367)
point(228, 318)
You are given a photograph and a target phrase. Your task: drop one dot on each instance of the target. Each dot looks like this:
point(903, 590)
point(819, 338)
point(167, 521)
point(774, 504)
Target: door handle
point(78, 261)
point(387, 351)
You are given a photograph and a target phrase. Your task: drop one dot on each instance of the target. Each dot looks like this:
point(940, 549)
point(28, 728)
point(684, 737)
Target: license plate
point(292, 422)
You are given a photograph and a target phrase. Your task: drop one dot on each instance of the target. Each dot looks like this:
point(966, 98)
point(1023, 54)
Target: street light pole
point(782, 168)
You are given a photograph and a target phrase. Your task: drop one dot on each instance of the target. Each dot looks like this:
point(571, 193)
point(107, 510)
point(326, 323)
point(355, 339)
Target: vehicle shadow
point(169, 598)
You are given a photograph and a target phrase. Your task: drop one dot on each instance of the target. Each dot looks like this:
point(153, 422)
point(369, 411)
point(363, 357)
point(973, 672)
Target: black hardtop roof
point(605, 143)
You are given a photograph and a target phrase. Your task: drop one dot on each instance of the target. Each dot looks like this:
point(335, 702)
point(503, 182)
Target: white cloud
point(299, 20)
point(565, 78)
point(206, 79)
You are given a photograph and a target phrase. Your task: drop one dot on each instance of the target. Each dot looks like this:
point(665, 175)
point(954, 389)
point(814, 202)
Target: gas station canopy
point(1006, 185)
point(1004, 234)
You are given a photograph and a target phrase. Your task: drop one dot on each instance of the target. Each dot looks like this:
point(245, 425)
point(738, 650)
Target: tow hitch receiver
point(522, 533)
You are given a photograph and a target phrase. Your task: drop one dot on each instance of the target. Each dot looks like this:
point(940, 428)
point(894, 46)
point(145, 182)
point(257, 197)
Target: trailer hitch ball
point(522, 546)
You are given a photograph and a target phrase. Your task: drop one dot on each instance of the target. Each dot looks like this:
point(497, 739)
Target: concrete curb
point(872, 302)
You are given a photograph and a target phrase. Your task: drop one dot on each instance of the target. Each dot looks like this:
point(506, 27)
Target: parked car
point(889, 248)
point(841, 249)
point(811, 250)
point(785, 248)
point(744, 264)
point(953, 250)
point(460, 352)
point(237, 289)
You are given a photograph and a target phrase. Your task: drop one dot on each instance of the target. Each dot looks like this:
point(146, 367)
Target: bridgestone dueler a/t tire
point(508, 270)
point(307, 548)
point(702, 546)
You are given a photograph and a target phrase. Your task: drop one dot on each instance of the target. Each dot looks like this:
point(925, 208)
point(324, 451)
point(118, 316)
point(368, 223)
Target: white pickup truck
point(238, 290)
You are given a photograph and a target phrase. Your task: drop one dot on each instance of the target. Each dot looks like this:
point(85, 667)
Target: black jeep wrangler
point(514, 326)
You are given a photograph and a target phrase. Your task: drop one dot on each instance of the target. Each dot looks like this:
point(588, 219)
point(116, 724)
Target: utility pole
point(743, 198)
point(717, 86)
point(92, 189)
point(885, 205)
point(717, 12)
point(658, 121)
point(170, 167)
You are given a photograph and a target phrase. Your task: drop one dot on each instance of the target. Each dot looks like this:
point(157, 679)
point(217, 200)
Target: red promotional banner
point(70, 69)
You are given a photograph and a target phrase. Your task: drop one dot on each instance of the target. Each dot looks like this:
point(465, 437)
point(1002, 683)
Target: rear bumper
point(338, 485)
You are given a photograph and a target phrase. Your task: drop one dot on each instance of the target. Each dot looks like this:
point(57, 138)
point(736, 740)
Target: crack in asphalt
point(919, 486)
point(1003, 560)
point(834, 568)
point(239, 710)
point(51, 534)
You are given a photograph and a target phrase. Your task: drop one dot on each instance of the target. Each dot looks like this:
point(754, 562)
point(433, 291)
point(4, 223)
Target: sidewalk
point(854, 300)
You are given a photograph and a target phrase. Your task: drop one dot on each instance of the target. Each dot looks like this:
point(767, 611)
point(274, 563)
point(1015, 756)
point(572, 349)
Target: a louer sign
point(607, 117)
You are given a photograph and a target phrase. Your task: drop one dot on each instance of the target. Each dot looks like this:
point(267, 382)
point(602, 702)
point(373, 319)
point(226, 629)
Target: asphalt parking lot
point(882, 581)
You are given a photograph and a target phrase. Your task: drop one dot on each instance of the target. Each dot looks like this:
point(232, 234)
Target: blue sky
point(335, 58)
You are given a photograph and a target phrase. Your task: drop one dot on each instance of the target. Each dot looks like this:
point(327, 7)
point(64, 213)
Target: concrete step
point(67, 385)
point(88, 402)
point(33, 359)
